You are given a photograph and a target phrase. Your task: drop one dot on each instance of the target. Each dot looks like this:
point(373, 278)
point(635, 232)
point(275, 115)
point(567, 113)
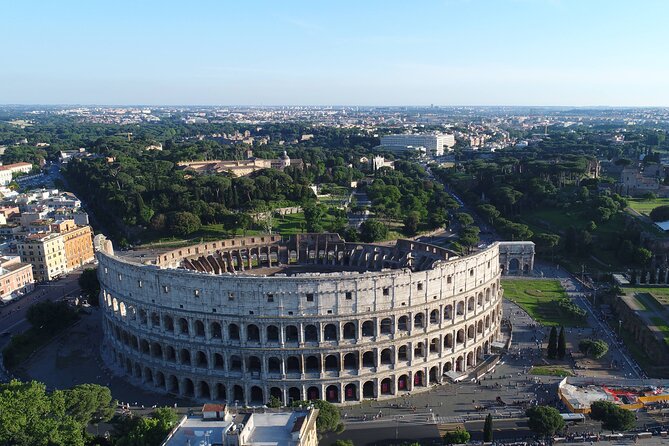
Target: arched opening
point(235, 363)
point(201, 359)
point(254, 365)
point(170, 354)
point(294, 394)
point(312, 364)
point(349, 330)
point(257, 396)
point(470, 304)
point(143, 317)
point(487, 295)
point(368, 329)
point(368, 389)
point(173, 385)
point(448, 367)
point(313, 393)
point(470, 359)
point(402, 353)
point(310, 333)
point(514, 265)
point(238, 394)
point(459, 364)
point(350, 361)
point(221, 394)
point(330, 332)
point(479, 353)
point(215, 329)
point(233, 332)
point(434, 375)
point(434, 317)
point(252, 333)
point(479, 300)
point(291, 333)
point(219, 363)
point(148, 375)
point(332, 394)
point(460, 336)
point(203, 391)
point(184, 356)
point(144, 347)
point(419, 379)
point(419, 320)
point(448, 312)
point(331, 363)
point(402, 382)
point(419, 350)
point(274, 365)
point(276, 393)
point(470, 332)
point(386, 326)
point(199, 328)
point(159, 380)
point(183, 326)
point(403, 323)
point(479, 327)
point(350, 392)
point(156, 350)
point(434, 345)
point(448, 340)
point(386, 356)
point(386, 386)
point(272, 333)
point(189, 388)
point(368, 359)
point(293, 364)
point(460, 309)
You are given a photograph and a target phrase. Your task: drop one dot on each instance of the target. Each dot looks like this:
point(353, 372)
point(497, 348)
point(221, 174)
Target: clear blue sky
point(362, 52)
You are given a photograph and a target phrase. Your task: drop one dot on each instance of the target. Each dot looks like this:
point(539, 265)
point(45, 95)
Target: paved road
point(13, 315)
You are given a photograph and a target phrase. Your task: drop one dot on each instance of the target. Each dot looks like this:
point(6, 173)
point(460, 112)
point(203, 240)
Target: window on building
point(386, 291)
point(270, 297)
point(310, 297)
point(349, 295)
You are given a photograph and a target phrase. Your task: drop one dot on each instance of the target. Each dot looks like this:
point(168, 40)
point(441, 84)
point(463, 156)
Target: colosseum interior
point(305, 317)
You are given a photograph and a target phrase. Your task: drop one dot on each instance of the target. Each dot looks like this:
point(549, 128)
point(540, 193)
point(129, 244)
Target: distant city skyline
point(367, 53)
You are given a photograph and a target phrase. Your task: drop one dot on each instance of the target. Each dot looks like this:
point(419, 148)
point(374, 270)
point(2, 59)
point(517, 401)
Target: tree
point(469, 236)
point(552, 349)
point(90, 286)
point(147, 431)
point(544, 420)
point(411, 222)
point(660, 213)
point(183, 223)
point(562, 344)
point(343, 443)
point(51, 316)
point(89, 402)
point(373, 231)
point(595, 348)
point(612, 416)
point(487, 428)
point(274, 402)
point(464, 219)
point(488, 211)
point(314, 214)
point(457, 436)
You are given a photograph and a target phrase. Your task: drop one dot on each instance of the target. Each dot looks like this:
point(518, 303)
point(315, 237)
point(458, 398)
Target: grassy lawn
point(539, 297)
point(661, 325)
point(644, 206)
point(658, 292)
point(551, 370)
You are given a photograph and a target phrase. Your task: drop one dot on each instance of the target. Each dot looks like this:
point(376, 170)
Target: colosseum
point(305, 317)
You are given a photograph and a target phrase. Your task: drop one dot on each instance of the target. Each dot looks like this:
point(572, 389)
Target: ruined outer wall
point(336, 336)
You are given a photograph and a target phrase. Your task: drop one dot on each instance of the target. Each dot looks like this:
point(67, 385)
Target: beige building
point(46, 253)
point(78, 246)
point(16, 278)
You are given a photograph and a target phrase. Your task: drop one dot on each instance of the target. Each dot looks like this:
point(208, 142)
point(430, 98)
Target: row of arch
point(237, 363)
point(253, 333)
point(238, 393)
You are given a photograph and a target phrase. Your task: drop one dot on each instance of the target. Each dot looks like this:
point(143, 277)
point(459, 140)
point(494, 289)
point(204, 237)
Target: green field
point(644, 206)
point(659, 293)
point(539, 297)
point(661, 325)
point(550, 370)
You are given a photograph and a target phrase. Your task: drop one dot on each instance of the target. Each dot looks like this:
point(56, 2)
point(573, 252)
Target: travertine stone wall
point(340, 336)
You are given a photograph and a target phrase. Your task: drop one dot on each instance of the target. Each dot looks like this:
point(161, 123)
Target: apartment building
point(78, 242)
point(46, 254)
point(16, 278)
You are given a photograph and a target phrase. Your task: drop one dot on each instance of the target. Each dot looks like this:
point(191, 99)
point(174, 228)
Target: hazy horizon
point(478, 53)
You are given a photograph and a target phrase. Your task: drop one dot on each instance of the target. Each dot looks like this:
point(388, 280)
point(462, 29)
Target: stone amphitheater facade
point(307, 317)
